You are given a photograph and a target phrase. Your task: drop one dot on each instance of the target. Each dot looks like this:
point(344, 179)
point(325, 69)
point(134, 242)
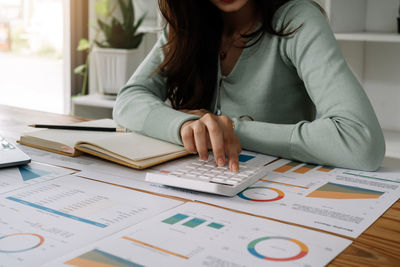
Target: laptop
point(11, 155)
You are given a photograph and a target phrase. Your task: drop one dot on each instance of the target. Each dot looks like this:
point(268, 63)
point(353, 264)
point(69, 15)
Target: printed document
point(337, 200)
point(200, 235)
point(44, 221)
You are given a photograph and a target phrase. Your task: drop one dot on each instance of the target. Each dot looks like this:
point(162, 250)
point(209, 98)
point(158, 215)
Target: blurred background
point(31, 57)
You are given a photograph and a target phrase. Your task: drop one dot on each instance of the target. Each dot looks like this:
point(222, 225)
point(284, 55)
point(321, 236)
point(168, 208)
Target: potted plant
point(116, 55)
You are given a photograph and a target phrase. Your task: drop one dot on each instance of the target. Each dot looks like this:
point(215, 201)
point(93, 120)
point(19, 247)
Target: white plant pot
point(114, 67)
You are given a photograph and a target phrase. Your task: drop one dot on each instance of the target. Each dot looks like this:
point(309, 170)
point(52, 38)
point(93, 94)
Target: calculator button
point(221, 183)
point(190, 167)
point(217, 180)
point(231, 182)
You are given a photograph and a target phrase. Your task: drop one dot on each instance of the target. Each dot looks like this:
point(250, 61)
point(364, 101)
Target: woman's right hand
point(216, 132)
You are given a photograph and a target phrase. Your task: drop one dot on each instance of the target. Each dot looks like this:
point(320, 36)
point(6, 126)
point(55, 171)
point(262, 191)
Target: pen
point(78, 128)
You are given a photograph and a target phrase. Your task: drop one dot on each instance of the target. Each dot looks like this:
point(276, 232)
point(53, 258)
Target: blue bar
point(245, 158)
point(57, 212)
point(176, 218)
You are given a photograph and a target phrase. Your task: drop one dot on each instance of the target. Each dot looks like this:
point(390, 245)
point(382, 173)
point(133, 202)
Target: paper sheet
point(201, 235)
point(44, 221)
point(21, 176)
point(336, 200)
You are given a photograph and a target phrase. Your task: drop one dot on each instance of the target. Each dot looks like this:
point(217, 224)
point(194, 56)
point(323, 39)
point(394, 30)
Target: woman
point(224, 63)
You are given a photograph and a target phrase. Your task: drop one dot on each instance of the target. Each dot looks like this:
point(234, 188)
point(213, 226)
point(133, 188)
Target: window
point(32, 58)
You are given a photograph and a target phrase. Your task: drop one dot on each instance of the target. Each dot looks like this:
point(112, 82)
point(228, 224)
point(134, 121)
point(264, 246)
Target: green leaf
point(83, 45)
point(80, 69)
point(123, 7)
point(140, 21)
point(102, 45)
point(119, 34)
point(137, 40)
point(106, 29)
point(102, 7)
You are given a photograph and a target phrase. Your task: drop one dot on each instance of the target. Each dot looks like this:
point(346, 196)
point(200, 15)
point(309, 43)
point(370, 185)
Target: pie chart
point(19, 242)
point(277, 248)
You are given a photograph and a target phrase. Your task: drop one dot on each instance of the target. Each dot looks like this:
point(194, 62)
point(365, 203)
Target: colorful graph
point(325, 169)
point(340, 191)
point(28, 173)
point(57, 212)
point(215, 225)
point(176, 218)
point(304, 169)
point(251, 247)
point(261, 194)
point(192, 223)
point(245, 158)
point(154, 247)
point(100, 258)
point(287, 167)
point(20, 242)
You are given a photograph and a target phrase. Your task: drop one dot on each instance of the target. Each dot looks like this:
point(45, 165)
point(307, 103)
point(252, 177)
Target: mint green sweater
point(306, 102)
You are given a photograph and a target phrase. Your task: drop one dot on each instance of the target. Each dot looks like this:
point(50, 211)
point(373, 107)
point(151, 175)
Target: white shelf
point(369, 37)
point(392, 139)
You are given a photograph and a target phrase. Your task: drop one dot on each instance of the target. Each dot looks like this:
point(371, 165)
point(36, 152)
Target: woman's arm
point(141, 103)
point(347, 133)
point(141, 107)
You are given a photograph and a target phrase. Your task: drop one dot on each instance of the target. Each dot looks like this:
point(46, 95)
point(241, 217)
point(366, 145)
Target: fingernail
point(234, 167)
point(220, 162)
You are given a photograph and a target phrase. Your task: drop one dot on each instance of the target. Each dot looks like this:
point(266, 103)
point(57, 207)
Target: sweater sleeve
point(141, 106)
point(346, 132)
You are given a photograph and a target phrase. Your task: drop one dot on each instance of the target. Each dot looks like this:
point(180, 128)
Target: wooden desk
point(379, 245)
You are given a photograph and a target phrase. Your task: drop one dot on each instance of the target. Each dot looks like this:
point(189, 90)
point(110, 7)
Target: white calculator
point(205, 176)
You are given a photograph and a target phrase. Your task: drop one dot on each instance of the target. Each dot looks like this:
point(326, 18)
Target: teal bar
point(194, 222)
point(176, 218)
point(215, 225)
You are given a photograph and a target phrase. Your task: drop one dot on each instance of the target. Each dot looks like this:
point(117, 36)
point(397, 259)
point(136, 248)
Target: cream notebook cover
point(130, 149)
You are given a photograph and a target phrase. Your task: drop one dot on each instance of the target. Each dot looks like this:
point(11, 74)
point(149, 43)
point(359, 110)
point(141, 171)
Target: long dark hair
point(191, 52)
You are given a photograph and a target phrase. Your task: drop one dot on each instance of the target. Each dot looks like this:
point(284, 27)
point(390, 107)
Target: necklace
point(223, 52)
